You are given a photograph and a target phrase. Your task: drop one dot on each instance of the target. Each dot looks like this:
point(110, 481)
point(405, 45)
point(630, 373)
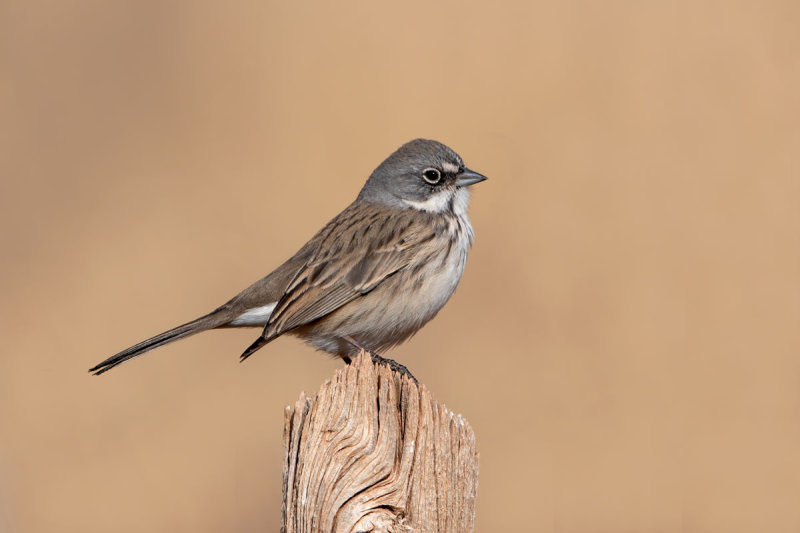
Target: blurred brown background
point(625, 340)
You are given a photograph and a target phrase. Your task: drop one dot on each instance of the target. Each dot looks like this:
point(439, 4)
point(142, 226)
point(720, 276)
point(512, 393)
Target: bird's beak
point(469, 177)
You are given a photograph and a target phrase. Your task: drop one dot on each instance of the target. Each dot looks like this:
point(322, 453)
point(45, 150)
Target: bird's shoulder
point(365, 228)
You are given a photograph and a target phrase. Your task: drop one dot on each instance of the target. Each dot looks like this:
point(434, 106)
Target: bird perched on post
point(369, 279)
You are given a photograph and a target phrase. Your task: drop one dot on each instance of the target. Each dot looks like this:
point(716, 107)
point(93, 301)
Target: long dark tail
point(217, 318)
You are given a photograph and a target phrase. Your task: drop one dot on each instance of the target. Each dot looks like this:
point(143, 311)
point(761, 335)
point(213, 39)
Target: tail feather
point(253, 348)
point(213, 320)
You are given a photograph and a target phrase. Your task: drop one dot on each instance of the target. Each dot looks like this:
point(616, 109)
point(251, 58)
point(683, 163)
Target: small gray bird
point(370, 278)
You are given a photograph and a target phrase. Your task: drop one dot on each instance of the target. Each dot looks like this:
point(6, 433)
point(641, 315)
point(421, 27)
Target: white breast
point(441, 279)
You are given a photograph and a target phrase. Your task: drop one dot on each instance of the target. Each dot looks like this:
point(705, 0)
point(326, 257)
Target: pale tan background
point(625, 340)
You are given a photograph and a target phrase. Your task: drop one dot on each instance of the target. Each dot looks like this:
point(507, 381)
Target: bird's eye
point(431, 175)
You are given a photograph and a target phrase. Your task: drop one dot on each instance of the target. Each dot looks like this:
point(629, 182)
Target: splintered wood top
point(374, 452)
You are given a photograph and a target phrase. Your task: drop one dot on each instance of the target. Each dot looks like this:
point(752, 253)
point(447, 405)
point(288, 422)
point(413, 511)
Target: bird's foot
point(393, 365)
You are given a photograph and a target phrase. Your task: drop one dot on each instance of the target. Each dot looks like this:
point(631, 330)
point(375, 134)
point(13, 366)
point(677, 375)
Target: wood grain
point(374, 452)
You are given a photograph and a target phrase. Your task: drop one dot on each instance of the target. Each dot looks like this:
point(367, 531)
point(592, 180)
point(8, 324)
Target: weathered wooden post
point(373, 452)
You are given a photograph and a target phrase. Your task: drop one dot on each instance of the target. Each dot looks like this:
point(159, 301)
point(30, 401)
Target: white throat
point(440, 202)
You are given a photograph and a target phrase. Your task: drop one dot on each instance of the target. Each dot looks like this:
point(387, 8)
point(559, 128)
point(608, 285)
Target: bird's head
point(422, 174)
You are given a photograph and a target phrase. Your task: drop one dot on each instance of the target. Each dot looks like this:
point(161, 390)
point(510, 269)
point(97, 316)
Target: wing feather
point(330, 280)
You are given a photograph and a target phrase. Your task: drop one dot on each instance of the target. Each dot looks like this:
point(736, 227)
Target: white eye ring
point(432, 176)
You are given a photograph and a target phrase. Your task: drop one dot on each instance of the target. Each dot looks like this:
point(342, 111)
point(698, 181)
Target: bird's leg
point(391, 363)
